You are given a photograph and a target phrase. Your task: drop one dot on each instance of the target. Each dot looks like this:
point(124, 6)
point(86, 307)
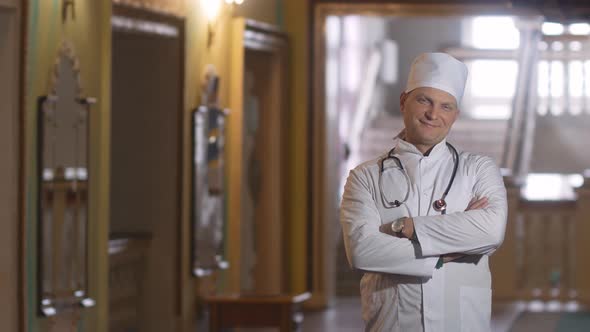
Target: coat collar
point(403, 147)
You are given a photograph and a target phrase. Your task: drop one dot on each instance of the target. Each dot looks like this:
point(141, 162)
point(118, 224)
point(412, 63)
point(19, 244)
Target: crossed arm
point(366, 247)
point(478, 230)
point(408, 231)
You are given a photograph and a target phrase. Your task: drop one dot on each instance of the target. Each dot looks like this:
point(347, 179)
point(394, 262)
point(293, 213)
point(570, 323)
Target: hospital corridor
point(294, 165)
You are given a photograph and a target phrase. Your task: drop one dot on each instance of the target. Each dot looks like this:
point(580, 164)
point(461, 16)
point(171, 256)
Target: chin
point(431, 138)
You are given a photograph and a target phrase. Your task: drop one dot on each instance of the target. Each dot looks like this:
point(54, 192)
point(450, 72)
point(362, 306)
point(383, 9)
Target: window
point(550, 186)
point(493, 32)
point(563, 71)
point(492, 82)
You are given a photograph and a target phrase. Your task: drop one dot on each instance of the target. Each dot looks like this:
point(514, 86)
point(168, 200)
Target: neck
point(423, 148)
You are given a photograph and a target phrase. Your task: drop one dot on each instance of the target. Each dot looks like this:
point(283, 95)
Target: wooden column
point(503, 264)
point(581, 269)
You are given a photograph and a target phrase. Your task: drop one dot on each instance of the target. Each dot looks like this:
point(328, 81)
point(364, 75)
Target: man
point(421, 220)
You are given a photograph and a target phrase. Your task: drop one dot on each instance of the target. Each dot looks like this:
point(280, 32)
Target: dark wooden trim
point(254, 299)
point(310, 140)
point(147, 14)
point(38, 179)
point(180, 155)
point(266, 28)
point(22, 14)
point(286, 131)
point(255, 311)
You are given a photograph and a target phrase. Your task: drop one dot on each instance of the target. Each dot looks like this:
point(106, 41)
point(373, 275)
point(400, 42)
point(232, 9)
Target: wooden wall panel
point(9, 168)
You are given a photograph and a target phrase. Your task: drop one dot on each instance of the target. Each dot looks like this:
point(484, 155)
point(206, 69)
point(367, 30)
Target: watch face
point(397, 226)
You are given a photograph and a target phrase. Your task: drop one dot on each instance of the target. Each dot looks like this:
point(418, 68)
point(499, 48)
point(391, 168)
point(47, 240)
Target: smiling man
point(422, 219)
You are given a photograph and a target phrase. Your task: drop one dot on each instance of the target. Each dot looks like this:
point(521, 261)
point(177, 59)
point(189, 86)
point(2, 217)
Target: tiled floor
point(345, 316)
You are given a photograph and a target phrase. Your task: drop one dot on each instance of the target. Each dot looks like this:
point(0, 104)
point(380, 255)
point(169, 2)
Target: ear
point(402, 100)
point(458, 113)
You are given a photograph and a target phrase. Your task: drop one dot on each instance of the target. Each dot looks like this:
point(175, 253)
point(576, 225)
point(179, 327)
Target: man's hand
point(474, 204)
point(386, 229)
point(408, 230)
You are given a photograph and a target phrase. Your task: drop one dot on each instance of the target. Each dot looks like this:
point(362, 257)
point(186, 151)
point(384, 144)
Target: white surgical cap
point(440, 71)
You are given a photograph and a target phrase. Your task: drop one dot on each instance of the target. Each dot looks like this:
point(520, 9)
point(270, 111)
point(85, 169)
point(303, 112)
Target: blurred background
point(178, 165)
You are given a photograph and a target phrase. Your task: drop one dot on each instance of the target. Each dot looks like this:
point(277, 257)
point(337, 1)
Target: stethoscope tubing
point(440, 205)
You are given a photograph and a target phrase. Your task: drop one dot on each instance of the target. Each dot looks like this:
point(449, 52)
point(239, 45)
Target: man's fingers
point(385, 228)
point(480, 204)
point(475, 204)
point(473, 201)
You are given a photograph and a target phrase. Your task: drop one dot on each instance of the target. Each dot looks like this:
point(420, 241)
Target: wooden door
point(257, 151)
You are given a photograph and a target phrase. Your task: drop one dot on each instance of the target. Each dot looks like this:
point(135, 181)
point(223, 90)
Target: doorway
point(146, 170)
point(356, 87)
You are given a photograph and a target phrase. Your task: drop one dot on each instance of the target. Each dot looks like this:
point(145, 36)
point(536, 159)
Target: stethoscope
point(440, 205)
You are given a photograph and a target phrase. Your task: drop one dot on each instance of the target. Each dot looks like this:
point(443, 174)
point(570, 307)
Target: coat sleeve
point(470, 232)
point(368, 249)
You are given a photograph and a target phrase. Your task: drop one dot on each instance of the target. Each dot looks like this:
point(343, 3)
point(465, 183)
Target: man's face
point(428, 115)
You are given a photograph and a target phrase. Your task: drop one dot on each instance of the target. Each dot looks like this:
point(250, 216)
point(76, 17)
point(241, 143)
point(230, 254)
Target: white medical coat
point(401, 289)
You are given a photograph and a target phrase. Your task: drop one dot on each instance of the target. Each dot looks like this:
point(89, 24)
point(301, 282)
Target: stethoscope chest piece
point(440, 205)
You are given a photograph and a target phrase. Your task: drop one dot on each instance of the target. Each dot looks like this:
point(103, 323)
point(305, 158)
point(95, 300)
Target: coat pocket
point(476, 309)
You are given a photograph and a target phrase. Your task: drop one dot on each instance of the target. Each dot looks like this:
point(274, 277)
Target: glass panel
point(208, 219)
point(552, 29)
point(551, 186)
point(579, 29)
point(63, 192)
point(494, 32)
point(486, 82)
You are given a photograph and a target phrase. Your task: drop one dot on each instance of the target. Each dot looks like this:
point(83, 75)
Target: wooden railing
point(546, 250)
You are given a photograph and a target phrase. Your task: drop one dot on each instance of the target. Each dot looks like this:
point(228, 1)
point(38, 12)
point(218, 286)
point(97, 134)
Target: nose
point(433, 112)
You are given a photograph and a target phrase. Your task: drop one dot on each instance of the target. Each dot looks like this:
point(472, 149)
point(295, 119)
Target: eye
point(448, 108)
point(422, 100)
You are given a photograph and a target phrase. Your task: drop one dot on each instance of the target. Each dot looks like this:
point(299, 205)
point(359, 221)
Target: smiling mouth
point(428, 124)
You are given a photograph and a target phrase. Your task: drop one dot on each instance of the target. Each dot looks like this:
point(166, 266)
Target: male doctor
point(422, 219)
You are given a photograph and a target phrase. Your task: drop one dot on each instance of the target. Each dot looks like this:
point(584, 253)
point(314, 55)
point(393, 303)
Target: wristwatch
point(398, 225)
